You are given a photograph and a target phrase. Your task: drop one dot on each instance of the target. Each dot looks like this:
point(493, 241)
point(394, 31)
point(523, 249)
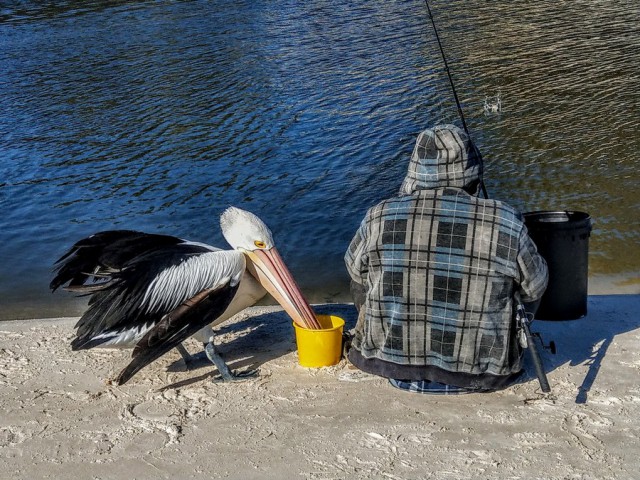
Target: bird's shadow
point(585, 341)
point(249, 343)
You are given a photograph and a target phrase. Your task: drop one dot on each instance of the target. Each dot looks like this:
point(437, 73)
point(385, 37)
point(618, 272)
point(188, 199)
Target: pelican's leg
point(186, 356)
point(222, 367)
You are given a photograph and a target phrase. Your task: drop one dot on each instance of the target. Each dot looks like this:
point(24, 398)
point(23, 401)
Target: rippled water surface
point(157, 115)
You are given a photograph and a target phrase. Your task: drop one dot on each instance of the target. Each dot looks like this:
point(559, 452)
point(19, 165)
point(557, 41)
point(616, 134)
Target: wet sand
point(62, 419)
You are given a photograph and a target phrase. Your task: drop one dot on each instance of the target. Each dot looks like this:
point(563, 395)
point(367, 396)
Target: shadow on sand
point(261, 338)
point(585, 341)
point(257, 340)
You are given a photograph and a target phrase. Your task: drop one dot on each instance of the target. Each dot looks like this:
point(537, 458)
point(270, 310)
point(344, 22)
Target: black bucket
point(562, 239)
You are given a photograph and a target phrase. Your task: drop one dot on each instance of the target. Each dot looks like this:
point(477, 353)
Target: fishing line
point(455, 94)
point(521, 317)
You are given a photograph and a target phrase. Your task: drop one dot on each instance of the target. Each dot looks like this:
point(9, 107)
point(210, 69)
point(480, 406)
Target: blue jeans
point(433, 388)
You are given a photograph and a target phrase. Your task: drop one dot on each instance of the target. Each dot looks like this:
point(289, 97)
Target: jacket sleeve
point(534, 274)
point(356, 258)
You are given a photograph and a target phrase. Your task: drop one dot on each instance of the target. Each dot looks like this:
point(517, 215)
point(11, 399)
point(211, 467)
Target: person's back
point(441, 269)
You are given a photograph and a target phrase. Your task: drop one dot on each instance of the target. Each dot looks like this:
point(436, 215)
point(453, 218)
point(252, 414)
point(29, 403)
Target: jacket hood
point(444, 156)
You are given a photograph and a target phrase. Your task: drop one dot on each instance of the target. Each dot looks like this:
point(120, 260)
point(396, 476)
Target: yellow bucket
point(320, 348)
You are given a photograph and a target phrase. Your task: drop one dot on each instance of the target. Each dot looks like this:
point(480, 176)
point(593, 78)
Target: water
point(156, 115)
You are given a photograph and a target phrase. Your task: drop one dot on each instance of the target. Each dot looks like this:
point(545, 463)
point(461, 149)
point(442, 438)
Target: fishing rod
point(523, 322)
point(455, 94)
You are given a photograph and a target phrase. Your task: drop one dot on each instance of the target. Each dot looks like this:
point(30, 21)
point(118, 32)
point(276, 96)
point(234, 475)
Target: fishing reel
point(524, 321)
point(550, 347)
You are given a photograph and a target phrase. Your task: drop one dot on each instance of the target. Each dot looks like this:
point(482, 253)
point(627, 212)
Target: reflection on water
point(157, 115)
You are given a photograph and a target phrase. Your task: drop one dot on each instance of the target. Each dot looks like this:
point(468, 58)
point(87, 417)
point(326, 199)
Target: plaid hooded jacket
point(441, 269)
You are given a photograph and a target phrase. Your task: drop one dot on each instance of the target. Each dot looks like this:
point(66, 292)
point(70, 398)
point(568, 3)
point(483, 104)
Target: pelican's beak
point(269, 269)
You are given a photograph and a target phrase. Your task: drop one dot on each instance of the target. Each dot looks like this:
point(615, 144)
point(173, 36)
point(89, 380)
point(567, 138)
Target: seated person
point(437, 273)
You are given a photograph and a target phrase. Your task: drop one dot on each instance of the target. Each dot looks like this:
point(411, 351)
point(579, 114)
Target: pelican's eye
point(260, 244)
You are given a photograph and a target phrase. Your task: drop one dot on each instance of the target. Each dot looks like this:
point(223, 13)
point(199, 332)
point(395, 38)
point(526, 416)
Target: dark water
point(157, 115)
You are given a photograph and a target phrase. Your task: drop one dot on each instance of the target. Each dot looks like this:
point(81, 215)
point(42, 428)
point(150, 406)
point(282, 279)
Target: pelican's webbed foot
point(225, 371)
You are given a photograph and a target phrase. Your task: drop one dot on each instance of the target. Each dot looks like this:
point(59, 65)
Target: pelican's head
point(244, 231)
point(247, 233)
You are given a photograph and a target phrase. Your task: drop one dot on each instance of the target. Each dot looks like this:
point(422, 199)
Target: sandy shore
point(61, 419)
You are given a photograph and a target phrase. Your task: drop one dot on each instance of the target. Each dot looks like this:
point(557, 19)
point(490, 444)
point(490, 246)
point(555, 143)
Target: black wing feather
point(118, 304)
point(176, 326)
point(103, 253)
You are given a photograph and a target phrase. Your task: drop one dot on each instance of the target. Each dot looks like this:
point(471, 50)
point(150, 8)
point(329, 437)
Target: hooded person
point(437, 273)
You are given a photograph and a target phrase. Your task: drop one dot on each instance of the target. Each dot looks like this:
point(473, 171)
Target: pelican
point(151, 291)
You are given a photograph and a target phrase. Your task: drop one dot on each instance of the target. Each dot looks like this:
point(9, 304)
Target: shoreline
point(66, 305)
point(62, 418)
